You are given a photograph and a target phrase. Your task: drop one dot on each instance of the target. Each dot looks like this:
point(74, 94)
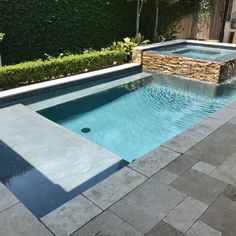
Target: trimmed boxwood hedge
point(36, 71)
point(35, 27)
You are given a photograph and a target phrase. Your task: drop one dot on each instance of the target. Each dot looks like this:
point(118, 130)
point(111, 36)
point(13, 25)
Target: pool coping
point(47, 103)
point(7, 96)
point(58, 218)
point(178, 41)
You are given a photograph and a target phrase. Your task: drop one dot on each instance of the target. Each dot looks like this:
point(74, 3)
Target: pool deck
point(187, 186)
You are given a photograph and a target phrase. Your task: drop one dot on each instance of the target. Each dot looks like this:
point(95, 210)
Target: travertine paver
point(7, 199)
point(154, 161)
point(225, 133)
point(230, 192)
point(184, 141)
point(233, 120)
point(114, 188)
point(209, 153)
point(227, 171)
point(18, 221)
point(201, 229)
point(71, 216)
point(148, 204)
point(221, 215)
point(185, 214)
point(164, 176)
point(103, 224)
point(204, 167)
point(164, 229)
point(199, 186)
point(232, 104)
point(181, 164)
point(217, 147)
point(207, 126)
point(126, 230)
point(225, 114)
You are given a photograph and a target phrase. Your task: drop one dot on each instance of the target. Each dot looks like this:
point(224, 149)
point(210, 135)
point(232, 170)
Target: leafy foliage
point(36, 71)
point(203, 7)
point(35, 28)
point(140, 40)
point(169, 14)
point(1, 36)
point(125, 46)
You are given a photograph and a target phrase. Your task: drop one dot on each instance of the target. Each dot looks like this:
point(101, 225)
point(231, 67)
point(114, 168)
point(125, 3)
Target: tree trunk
point(139, 11)
point(137, 17)
point(155, 35)
point(226, 9)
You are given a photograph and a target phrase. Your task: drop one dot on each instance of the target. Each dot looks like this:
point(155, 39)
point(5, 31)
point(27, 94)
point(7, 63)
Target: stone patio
point(186, 187)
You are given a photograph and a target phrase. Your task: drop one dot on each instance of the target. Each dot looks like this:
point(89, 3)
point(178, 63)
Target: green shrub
point(126, 46)
point(1, 36)
point(36, 27)
point(35, 71)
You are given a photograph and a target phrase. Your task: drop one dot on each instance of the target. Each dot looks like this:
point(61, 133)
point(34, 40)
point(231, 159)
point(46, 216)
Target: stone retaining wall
point(228, 70)
point(137, 56)
point(213, 72)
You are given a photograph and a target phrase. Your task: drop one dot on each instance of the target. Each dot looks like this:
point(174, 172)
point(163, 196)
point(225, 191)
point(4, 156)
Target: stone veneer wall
point(137, 56)
point(228, 70)
point(207, 71)
point(186, 67)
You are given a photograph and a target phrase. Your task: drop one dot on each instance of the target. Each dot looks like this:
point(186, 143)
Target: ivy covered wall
point(35, 27)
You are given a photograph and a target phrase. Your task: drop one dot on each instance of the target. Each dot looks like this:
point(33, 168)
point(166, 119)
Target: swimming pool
point(46, 165)
point(132, 119)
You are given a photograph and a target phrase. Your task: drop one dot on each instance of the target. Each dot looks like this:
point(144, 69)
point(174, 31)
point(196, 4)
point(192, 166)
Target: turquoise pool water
point(197, 53)
point(214, 53)
point(133, 119)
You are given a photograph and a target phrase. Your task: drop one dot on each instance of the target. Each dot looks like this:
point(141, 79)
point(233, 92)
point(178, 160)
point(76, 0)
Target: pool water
point(214, 53)
point(132, 120)
point(194, 53)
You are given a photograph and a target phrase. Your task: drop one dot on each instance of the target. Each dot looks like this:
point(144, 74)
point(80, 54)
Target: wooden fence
point(203, 28)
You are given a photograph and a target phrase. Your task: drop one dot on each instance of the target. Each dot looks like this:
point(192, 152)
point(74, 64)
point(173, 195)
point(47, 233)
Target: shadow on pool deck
point(35, 190)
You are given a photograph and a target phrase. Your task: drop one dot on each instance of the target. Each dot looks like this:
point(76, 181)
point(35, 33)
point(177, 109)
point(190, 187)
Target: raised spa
point(201, 61)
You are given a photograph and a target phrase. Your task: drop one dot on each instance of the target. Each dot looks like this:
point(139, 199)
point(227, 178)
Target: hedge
point(35, 27)
point(36, 71)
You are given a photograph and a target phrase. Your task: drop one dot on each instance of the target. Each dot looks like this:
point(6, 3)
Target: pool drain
point(85, 130)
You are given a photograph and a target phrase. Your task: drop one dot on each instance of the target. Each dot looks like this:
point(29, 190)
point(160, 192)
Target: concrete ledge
point(173, 42)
